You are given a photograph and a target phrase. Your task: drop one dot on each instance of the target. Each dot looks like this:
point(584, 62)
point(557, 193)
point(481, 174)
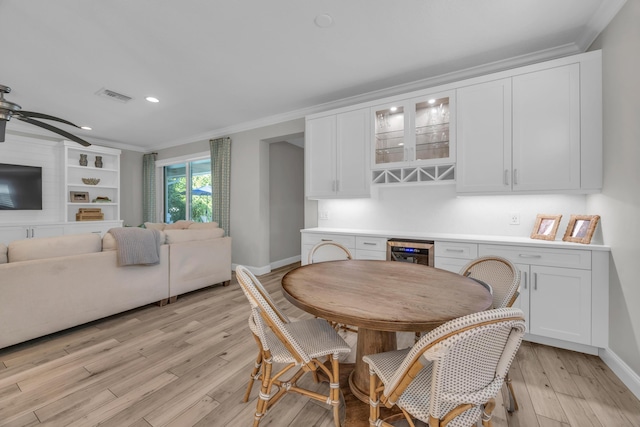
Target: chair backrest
point(471, 357)
point(267, 320)
point(328, 251)
point(500, 273)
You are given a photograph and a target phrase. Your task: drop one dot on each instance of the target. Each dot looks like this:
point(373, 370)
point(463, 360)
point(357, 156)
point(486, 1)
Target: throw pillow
point(178, 225)
point(3, 253)
point(155, 225)
point(203, 225)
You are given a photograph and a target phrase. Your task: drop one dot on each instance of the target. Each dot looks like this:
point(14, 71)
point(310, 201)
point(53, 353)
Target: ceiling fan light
point(152, 99)
point(85, 127)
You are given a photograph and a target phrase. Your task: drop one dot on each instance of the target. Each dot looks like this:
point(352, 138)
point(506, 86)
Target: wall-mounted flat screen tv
point(20, 187)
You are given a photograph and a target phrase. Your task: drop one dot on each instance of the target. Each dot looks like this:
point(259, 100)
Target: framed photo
point(79, 196)
point(581, 228)
point(546, 227)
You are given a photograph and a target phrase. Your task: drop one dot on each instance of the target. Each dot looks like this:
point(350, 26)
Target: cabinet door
point(560, 303)
point(522, 302)
point(546, 129)
point(484, 137)
point(10, 233)
point(47, 231)
point(320, 155)
point(352, 178)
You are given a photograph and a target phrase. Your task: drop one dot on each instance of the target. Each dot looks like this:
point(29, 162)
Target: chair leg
point(334, 389)
point(486, 415)
point(265, 392)
point(255, 374)
point(513, 402)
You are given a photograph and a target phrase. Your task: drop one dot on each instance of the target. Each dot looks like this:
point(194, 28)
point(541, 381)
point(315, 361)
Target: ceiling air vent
point(106, 93)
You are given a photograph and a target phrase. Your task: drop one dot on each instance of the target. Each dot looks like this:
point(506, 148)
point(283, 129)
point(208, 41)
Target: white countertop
point(450, 237)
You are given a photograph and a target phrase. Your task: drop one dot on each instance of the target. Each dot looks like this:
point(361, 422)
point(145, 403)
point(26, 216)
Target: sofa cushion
point(203, 225)
point(155, 225)
point(53, 247)
point(109, 242)
point(178, 236)
point(178, 225)
point(3, 253)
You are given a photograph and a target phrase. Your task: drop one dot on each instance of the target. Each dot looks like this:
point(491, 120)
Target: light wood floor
point(186, 364)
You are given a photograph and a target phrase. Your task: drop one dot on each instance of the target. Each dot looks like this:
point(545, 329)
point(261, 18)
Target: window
point(187, 191)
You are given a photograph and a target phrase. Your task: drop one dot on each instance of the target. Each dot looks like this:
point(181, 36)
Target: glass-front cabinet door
point(414, 132)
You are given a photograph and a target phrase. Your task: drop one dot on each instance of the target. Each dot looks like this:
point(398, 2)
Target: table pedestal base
point(369, 342)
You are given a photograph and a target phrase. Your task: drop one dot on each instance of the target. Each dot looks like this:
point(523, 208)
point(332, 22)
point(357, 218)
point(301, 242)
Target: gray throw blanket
point(137, 245)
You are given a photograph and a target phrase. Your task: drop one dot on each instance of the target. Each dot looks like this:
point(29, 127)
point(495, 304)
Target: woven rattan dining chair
point(301, 346)
point(331, 251)
point(452, 375)
point(328, 251)
point(504, 279)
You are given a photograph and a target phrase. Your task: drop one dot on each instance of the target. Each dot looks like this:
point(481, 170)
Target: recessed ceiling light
point(393, 109)
point(152, 99)
point(85, 127)
point(432, 101)
point(324, 20)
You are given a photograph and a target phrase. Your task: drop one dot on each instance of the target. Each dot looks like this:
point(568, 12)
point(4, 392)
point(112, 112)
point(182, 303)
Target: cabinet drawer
point(313, 238)
point(366, 254)
point(456, 250)
point(451, 264)
point(371, 243)
point(540, 256)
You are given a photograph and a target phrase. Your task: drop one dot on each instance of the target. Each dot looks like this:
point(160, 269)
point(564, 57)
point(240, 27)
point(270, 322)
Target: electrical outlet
point(514, 218)
point(323, 215)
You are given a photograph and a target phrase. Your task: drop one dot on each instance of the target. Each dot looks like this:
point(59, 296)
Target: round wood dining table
point(382, 298)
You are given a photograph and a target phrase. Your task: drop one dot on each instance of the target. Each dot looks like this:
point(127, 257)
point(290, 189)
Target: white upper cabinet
point(532, 132)
point(484, 132)
point(336, 153)
point(546, 130)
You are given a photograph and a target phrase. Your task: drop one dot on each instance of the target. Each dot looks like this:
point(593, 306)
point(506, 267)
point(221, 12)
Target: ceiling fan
point(9, 109)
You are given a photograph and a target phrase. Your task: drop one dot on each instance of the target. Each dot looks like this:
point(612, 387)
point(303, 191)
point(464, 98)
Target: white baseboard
point(255, 270)
point(286, 261)
point(582, 348)
point(267, 268)
point(622, 370)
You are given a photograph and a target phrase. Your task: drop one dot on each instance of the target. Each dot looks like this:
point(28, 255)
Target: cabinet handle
point(337, 185)
point(326, 240)
point(529, 256)
point(526, 279)
point(506, 177)
point(535, 281)
point(454, 250)
point(369, 243)
point(515, 177)
point(27, 233)
point(33, 233)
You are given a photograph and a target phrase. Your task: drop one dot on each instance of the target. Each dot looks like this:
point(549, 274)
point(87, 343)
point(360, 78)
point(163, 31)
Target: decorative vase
point(83, 160)
point(98, 161)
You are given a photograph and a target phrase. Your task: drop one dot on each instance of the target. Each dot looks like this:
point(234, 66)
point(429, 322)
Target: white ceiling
point(224, 66)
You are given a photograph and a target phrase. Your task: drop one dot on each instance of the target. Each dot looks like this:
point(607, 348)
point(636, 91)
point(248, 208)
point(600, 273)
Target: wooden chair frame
point(263, 367)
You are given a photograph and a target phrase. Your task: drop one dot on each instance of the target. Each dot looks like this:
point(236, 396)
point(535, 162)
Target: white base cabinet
point(20, 232)
point(361, 247)
point(562, 292)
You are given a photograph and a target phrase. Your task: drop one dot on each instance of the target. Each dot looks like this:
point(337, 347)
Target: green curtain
point(149, 188)
point(220, 180)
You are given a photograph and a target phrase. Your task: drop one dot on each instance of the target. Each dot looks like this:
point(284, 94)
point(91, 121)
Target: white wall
point(286, 200)
point(437, 209)
point(619, 202)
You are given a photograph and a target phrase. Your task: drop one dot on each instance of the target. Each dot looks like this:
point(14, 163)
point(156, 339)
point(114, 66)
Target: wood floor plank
point(544, 399)
point(601, 403)
point(27, 420)
point(548, 422)
point(558, 375)
point(578, 411)
point(63, 411)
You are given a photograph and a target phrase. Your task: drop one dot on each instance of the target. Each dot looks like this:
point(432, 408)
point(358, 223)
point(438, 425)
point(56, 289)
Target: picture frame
point(546, 227)
point(581, 228)
point(79, 196)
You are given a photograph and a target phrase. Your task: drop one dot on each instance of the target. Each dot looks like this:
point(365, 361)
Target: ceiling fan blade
point(32, 114)
point(54, 130)
point(3, 127)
